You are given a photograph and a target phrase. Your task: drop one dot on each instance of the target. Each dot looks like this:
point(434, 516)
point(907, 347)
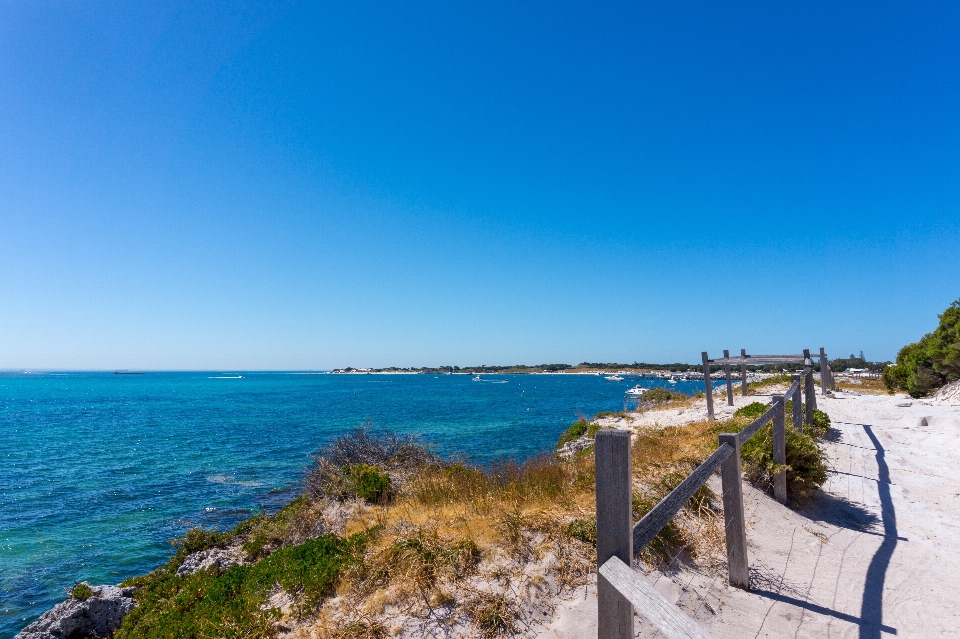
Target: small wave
point(227, 377)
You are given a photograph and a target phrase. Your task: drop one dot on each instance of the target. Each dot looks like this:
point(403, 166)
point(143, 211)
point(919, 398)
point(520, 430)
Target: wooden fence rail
point(619, 589)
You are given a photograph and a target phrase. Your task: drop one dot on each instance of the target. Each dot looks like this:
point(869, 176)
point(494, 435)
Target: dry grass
point(662, 458)
point(662, 398)
point(484, 552)
point(871, 386)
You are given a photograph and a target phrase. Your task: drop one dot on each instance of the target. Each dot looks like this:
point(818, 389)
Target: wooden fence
point(619, 540)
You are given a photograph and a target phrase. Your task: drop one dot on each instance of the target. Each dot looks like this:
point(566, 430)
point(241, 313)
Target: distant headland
point(583, 368)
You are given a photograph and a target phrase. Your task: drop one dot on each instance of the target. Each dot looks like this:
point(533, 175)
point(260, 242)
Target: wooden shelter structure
point(744, 360)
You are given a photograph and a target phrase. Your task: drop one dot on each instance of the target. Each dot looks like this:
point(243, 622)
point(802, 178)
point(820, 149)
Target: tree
point(930, 363)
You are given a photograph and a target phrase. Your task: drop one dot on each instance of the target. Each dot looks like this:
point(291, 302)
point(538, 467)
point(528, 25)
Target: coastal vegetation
point(659, 397)
point(388, 535)
point(930, 363)
point(578, 429)
point(805, 458)
point(234, 604)
point(81, 591)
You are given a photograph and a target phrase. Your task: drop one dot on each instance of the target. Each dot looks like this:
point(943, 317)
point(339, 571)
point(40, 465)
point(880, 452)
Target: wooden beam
point(726, 370)
point(758, 359)
point(734, 524)
point(779, 449)
point(706, 381)
point(743, 372)
point(755, 425)
point(614, 523)
point(826, 375)
point(794, 395)
point(668, 619)
point(651, 524)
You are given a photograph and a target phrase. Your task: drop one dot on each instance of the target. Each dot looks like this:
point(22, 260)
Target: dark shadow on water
point(871, 610)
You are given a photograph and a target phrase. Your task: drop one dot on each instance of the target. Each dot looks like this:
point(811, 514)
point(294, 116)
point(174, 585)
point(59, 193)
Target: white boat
point(673, 381)
point(636, 391)
point(478, 379)
point(613, 378)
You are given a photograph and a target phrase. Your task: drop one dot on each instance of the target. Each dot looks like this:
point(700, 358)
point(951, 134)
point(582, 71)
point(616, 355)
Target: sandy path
point(875, 556)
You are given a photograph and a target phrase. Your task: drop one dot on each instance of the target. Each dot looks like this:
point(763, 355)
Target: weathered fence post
point(726, 370)
point(733, 521)
point(826, 375)
point(780, 449)
point(743, 372)
point(797, 411)
point(810, 388)
point(614, 529)
point(706, 381)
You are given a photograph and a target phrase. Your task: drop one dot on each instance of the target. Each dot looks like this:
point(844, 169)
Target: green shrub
point(578, 430)
point(821, 421)
point(81, 591)
point(806, 468)
point(820, 426)
point(206, 605)
point(930, 363)
point(264, 533)
point(584, 529)
point(754, 410)
point(198, 539)
point(387, 451)
point(367, 482)
point(818, 429)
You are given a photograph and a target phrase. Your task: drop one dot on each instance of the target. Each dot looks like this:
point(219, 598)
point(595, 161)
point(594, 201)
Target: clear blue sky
point(286, 186)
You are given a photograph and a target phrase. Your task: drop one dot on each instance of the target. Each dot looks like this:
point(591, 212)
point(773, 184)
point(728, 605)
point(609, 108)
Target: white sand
point(949, 395)
point(876, 555)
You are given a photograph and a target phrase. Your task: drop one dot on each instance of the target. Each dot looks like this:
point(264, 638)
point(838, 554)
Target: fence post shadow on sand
point(619, 588)
point(871, 609)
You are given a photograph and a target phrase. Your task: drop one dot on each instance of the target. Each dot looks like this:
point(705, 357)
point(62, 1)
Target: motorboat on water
point(613, 378)
point(478, 379)
point(636, 391)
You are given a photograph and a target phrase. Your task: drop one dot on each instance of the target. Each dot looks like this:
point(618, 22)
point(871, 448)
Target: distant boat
point(127, 373)
point(636, 391)
point(613, 378)
point(478, 379)
point(673, 381)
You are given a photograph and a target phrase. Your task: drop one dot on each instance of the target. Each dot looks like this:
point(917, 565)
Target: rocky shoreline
point(97, 615)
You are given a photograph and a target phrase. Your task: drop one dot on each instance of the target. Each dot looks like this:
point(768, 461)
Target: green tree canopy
point(930, 363)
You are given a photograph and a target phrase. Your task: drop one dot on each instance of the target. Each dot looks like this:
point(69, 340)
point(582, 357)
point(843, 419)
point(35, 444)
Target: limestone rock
point(97, 616)
point(221, 558)
point(572, 448)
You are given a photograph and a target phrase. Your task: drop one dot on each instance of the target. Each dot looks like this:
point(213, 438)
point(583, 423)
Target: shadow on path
point(843, 513)
point(823, 610)
point(871, 610)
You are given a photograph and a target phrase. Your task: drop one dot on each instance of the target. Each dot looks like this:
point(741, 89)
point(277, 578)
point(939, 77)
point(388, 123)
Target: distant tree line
point(930, 363)
point(854, 361)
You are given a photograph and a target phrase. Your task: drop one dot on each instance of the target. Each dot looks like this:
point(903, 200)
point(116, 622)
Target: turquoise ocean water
point(99, 471)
